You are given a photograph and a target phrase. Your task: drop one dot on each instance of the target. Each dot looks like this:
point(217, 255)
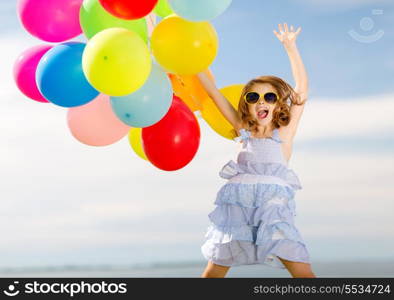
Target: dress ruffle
point(270, 227)
point(279, 170)
point(252, 195)
point(258, 225)
point(253, 221)
point(238, 253)
point(233, 214)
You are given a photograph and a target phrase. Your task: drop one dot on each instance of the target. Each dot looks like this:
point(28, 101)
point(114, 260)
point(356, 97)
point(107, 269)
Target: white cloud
point(362, 117)
point(345, 195)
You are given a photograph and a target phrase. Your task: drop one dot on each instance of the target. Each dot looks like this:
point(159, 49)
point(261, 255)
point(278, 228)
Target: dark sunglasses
point(253, 97)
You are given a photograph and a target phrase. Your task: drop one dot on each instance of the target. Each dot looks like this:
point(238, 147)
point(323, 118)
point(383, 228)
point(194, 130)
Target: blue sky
point(67, 203)
point(337, 64)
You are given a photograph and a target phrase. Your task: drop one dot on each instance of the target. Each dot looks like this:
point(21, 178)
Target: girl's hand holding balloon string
point(221, 102)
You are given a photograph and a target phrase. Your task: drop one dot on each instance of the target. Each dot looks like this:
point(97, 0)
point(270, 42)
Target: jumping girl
point(253, 221)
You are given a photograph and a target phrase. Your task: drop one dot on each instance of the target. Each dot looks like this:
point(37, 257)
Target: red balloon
point(171, 143)
point(128, 9)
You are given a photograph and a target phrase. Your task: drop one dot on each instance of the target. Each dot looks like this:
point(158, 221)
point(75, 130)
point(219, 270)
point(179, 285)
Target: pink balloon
point(25, 71)
point(95, 124)
point(51, 20)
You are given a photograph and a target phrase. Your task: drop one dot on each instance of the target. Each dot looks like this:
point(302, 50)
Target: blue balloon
point(201, 10)
point(60, 78)
point(147, 105)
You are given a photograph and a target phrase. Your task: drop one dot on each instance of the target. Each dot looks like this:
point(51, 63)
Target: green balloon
point(94, 18)
point(163, 9)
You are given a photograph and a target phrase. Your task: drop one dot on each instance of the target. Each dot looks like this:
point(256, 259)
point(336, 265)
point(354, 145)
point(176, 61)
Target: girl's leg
point(214, 271)
point(298, 269)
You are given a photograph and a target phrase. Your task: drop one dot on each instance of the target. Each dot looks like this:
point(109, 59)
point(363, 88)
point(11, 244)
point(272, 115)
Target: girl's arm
point(224, 106)
point(288, 39)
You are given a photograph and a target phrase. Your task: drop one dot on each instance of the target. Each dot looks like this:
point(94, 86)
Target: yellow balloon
point(135, 140)
point(116, 61)
point(212, 115)
point(184, 47)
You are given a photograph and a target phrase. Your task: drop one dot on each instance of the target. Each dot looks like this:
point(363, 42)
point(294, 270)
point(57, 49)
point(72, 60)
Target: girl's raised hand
point(285, 36)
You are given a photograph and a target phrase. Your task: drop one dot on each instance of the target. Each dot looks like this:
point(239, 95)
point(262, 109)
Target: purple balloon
point(25, 71)
point(51, 20)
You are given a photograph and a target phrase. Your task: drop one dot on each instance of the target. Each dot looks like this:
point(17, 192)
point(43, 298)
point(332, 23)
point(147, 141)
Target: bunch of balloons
point(110, 85)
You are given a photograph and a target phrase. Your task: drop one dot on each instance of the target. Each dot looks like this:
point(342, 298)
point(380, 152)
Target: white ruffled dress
point(253, 221)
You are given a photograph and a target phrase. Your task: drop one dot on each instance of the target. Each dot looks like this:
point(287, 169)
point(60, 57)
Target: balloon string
point(195, 101)
point(151, 18)
point(180, 79)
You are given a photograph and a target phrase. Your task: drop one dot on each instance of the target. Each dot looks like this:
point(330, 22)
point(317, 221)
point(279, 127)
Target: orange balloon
point(189, 89)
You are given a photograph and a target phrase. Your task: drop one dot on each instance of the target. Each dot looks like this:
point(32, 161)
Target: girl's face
point(262, 111)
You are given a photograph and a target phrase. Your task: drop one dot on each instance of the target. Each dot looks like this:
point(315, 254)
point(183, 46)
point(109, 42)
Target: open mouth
point(261, 114)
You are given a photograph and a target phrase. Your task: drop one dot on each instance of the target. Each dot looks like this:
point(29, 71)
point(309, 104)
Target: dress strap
point(244, 137)
point(246, 134)
point(275, 136)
